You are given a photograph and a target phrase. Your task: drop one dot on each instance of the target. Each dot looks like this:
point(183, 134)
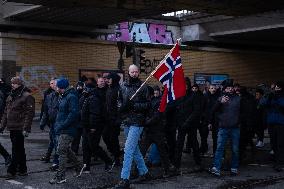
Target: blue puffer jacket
point(275, 113)
point(67, 118)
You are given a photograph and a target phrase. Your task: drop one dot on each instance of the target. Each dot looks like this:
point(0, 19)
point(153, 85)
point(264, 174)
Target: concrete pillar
point(8, 56)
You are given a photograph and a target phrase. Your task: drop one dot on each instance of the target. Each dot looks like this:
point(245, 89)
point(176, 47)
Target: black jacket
point(92, 111)
point(134, 111)
point(229, 112)
point(210, 100)
point(113, 94)
point(190, 109)
point(50, 109)
point(155, 121)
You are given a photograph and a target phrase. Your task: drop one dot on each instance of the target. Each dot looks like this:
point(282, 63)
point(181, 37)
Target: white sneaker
point(260, 144)
point(271, 152)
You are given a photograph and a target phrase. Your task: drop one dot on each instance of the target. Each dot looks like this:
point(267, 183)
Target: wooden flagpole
point(154, 71)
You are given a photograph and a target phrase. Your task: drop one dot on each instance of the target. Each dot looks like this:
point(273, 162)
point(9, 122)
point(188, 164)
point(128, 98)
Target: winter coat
point(91, 114)
point(19, 110)
point(210, 101)
point(229, 112)
point(134, 111)
point(155, 121)
point(112, 96)
point(275, 109)
point(45, 94)
point(50, 109)
point(190, 109)
point(68, 113)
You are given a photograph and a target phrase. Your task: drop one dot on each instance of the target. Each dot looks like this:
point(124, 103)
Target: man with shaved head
point(133, 115)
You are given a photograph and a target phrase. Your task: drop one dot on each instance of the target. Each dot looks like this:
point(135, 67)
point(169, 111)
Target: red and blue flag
point(170, 74)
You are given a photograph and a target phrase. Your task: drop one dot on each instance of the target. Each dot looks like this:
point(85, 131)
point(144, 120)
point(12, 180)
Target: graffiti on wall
point(143, 33)
point(37, 77)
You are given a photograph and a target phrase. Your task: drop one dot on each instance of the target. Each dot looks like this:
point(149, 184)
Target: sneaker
point(54, 167)
point(58, 180)
point(8, 160)
point(108, 167)
point(145, 177)
point(123, 184)
point(259, 144)
point(214, 171)
point(271, 152)
point(45, 159)
point(234, 172)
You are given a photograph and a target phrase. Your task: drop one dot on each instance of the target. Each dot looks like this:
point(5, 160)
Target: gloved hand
point(25, 133)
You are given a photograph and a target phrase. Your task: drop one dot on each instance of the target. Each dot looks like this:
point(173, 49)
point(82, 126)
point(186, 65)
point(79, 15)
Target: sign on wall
point(206, 78)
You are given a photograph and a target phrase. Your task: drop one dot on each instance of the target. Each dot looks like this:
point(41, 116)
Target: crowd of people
point(96, 110)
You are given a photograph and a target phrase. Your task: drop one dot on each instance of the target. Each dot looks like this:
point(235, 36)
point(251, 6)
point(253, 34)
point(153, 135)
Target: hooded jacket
point(19, 110)
point(68, 113)
point(112, 96)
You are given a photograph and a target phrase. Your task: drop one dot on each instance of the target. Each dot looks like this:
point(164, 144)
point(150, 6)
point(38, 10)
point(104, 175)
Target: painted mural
point(143, 33)
point(37, 77)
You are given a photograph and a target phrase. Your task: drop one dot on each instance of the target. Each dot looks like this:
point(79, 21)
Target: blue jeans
point(154, 155)
point(223, 136)
point(132, 151)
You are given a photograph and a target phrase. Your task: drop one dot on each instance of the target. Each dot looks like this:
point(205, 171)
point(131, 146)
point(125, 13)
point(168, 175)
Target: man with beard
point(134, 113)
point(18, 117)
point(228, 109)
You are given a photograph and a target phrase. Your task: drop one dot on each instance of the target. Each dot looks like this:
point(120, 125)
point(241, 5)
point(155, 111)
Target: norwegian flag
point(170, 74)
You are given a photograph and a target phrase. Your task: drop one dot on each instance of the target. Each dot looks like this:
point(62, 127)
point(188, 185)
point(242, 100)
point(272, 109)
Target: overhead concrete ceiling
point(112, 11)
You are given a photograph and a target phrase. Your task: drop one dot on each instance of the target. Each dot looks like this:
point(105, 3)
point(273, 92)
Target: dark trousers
point(159, 139)
point(182, 131)
point(277, 141)
point(3, 151)
point(259, 130)
point(110, 136)
point(246, 138)
point(203, 132)
point(77, 140)
point(171, 135)
point(18, 153)
point(91, 141)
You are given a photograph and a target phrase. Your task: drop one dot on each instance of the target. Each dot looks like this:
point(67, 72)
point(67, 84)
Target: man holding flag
point(134, 112)
point(135, 104)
